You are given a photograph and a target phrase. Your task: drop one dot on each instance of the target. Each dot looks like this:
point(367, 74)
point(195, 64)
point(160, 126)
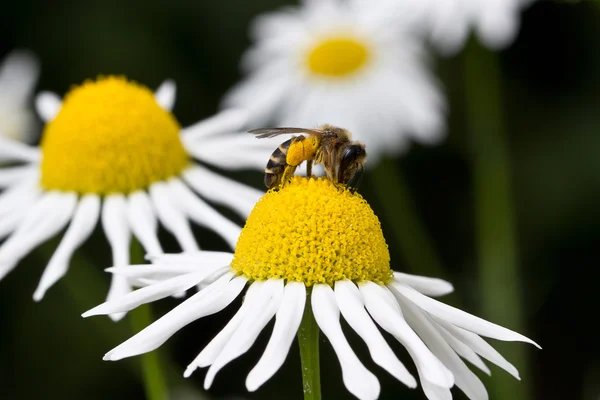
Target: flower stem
point(411, 235)
point(501, 292)
point(155, 384)
point(308, 339)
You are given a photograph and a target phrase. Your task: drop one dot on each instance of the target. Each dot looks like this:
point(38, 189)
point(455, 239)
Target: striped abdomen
point(277, 164)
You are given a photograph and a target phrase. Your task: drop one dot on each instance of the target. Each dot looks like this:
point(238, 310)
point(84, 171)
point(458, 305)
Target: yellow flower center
point(312, 231)
point(337, 57)
point(110, 136)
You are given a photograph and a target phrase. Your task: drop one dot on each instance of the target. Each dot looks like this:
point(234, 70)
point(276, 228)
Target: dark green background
point(551, 87)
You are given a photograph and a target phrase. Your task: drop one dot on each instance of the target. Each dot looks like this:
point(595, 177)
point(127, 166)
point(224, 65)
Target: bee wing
point(272, 132)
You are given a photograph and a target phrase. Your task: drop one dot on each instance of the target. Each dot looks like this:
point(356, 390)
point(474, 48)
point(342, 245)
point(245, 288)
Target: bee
point(342, 158)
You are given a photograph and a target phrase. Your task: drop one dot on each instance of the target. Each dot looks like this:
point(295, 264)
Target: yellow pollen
point(337, 57)
point(110, 136)
point(313, 231)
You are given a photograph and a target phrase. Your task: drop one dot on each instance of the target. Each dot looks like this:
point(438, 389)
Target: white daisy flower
point(19, 72)
point(341, 63)
point(313, 238)
point(113, 153)
point(447, 23)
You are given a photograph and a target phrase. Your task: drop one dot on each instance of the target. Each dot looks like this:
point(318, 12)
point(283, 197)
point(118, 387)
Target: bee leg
point(288, 172)
point(330, 172)
point(309, 168)
point(356, 179)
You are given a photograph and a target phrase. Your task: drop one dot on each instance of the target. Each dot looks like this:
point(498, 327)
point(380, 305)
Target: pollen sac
point(110, 136)
point(313, 231)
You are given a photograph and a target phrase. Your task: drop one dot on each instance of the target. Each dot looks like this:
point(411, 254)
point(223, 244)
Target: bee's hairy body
point(288, 156)
point(329, 145)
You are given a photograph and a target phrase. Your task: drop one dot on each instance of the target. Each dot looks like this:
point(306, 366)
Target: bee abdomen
point(276, 164)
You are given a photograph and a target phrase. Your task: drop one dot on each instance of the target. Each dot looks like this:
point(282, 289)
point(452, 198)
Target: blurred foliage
point(551, 85)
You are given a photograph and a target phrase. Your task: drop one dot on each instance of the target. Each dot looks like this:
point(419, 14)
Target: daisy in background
point(112, 153)
point(313, 247)
point(19, 73)
point(340, 62)
point(447, 23)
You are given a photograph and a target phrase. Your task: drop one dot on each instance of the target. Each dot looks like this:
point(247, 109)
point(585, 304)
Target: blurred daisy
point(312, 234)
point(340, 63)
point(18, 74)
point(447, 23)
point(112, 151)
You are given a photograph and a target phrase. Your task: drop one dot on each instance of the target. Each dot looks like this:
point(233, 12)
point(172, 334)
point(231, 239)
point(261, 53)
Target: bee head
point(351, 161)
point(352, 154)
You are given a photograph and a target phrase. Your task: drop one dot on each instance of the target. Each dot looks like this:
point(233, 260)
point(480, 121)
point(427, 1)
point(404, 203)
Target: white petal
point(497, 27)
point(12, 150)
point(351, 305)
point(19, 72)
point(10, 222)
point(462, 349)
point(252, 324)
point(172, 217)
point(165, 94)
point(48, 217)
point(16, 203)
point(47, 105)
point(202, 213)
point(221, 190)
point(427, 286)
point(119, 287)
point(465, 379)
point(210, 353)
point(19, 196)
point(267, 97)
point(82, 225)
point(233, 151)
point(209, 301)
point(13, 175)
point(230, 120)
point(480, 346)
point(460, 318)
point(142, 221)
point(434, 392)
point(162, 272)
point(211, 275)
point(358, 380)
point(389, 316)
point(199, 257)
point(148, 294)
point(114, 223)
point(287, 321)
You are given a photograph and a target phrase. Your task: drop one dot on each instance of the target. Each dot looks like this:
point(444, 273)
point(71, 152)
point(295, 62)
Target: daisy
point(315, 247)
point(447, 23)
point(18, 74)
point(341, 63)
point(112, 153)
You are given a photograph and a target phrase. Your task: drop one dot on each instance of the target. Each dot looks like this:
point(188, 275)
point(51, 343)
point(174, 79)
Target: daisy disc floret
point(313, 231)
point(94, 117)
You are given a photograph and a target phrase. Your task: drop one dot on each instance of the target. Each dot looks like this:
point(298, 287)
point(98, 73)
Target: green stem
point(308, 339)
point(154, 381)
point(501, 292)
point(394, 194)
